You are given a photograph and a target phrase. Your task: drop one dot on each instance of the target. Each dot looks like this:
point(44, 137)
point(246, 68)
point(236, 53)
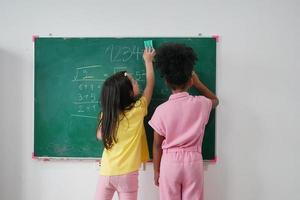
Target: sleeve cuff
point(156, 129)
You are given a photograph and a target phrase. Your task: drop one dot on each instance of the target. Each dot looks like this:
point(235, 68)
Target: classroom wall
point(258, 131)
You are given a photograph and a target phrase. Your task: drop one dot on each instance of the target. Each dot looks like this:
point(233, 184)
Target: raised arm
point(148, 56)
point(204, 90)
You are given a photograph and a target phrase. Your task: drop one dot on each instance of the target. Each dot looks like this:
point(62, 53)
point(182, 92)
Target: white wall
point(258, 131)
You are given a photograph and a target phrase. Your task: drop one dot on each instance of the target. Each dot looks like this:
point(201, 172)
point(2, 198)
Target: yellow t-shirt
point(131, 148)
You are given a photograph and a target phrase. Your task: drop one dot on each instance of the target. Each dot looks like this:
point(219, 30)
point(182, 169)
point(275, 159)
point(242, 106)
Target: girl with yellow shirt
point(121, 129)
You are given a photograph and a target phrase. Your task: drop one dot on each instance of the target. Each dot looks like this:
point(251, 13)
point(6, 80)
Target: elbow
point(156, 145)
point(157, 142)
point(215, 102)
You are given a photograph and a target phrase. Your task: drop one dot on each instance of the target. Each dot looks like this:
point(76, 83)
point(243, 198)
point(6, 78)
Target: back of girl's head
point(116, 97)
point(175, 63)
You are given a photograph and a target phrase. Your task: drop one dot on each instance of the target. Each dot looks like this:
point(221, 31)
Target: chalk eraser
point(148, 44)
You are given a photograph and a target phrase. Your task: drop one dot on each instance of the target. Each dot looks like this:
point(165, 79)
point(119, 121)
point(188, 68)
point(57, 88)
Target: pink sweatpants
point(181, 175)
point(126, 186)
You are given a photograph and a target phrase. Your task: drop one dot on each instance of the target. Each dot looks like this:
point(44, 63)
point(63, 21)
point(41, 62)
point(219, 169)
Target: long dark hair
point(116, 97)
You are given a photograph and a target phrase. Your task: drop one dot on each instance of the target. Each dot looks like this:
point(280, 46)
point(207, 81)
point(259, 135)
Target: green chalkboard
point(69, 73)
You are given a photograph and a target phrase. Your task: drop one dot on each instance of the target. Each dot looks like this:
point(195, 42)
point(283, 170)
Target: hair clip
point(125, 74)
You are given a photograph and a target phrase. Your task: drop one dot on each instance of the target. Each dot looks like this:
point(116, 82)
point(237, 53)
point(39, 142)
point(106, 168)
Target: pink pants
point(126, 186)
point(181, 175)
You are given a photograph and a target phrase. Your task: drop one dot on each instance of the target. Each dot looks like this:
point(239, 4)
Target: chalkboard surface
point(69, 73)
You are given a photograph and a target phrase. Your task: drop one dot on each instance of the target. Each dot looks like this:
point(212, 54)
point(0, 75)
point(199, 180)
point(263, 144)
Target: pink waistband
point(183, 149)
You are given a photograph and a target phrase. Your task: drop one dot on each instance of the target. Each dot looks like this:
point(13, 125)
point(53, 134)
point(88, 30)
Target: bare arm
point(157, 153)
point(148, 58)
point(204, 90)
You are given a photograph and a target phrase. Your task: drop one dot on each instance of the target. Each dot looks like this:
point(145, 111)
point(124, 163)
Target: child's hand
point(149, 54)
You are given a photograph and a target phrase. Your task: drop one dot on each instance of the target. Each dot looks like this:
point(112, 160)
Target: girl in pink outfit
point(179, 126)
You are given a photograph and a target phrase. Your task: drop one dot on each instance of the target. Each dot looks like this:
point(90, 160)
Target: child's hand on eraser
point(149, 54)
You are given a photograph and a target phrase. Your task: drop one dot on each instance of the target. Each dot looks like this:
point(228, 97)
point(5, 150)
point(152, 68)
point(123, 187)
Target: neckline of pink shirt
point(178, 95)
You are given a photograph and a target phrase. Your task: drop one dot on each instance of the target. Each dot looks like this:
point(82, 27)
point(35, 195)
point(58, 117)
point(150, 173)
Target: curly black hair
point(175, 63)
